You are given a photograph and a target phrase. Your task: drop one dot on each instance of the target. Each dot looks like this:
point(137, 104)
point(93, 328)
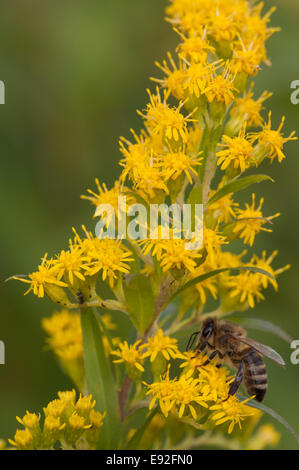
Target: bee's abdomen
point(255, 377)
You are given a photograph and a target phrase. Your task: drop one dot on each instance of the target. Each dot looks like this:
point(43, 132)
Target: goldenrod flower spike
point(67, 423)
point(202, 130)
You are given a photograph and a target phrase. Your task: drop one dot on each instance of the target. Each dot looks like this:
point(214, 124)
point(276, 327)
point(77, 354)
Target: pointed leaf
point(195, 196)
point(272, 413)
point(205, 276)
point(137, 436)
point(139, 300)
point(237, 185)
point(99, 378)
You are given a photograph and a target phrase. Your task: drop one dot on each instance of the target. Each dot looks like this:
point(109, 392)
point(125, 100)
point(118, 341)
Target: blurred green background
point(75, 72)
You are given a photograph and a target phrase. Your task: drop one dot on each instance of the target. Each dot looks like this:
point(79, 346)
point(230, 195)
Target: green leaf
point(205, 276)
point(272, 413)
point(262, 325)
point(99, 378)
point(139, 300)
point(237, 185)
point(194, 198)
point(195, 195)
point(135, 265)
point(136, 438)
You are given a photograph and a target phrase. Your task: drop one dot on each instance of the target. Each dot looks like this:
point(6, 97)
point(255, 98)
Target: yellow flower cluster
point(73, 273)
point(203, 129)
point(68, 423)
point(200, 391)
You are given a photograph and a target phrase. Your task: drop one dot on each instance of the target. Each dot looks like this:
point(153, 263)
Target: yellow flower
point(163, 392)
point(170, 252)
point(96, 418)
point(52, 430)
point(166, 121)
point(107, 256)
point(212, 240)
point(183, 393)
point(175, 76)
point(65, 334)
point(251, 221)
point(68, 397)
point(222, 210)
point(55, 408)
point(65, 422)
point(130, 354)
point(188, 394)
point(22, 440)
point(208, 286)
point(30, 420)
point(239, 153)
point(196, 79)
point(92, 434)
point(107, 320)
point(160, 344)
point(249, 110)
point(220, 88)
point(108, 196)
point(256, 25)
point(75, 428)
point(272, 141)
point(175, 256)
point(194, 48)
point(148, 180)
point(52, 424)
point(223, 26)
point(265, 436)
point(192, 361)
point(246, 60)
point(70, 263)
point(231, 410)
point(173, 164)
point(43, 279)
point(215, 381)
point(84, 405)
point(245, 287)
point(265, 264)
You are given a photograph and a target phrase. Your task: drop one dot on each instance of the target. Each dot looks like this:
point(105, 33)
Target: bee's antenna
point(191, 340)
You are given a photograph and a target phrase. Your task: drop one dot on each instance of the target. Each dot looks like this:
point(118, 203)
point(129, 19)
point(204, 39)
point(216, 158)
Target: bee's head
point(207, 329)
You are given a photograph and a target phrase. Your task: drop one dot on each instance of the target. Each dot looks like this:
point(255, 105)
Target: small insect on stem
point(80, 297)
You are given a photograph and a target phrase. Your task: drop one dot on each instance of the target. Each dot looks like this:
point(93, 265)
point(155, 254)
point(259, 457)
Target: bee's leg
point(200, 347)
point(234, 387)
point(191, 340)
point(214, 354)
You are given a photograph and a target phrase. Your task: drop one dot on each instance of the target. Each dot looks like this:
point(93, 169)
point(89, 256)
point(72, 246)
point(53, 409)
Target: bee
point(228, 341)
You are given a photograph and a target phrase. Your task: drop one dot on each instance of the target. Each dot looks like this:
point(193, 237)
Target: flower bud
point(57, 294)
point(52, 430)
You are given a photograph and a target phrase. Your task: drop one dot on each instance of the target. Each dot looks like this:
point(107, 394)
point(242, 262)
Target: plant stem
point(123, 396)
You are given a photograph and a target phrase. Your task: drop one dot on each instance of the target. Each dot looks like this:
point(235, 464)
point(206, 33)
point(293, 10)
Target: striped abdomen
point(255, 376)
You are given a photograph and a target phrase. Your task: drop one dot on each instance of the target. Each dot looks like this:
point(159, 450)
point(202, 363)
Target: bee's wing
point(261, 348)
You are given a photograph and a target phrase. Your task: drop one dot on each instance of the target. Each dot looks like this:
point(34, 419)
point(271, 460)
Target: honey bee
point(228, 341)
